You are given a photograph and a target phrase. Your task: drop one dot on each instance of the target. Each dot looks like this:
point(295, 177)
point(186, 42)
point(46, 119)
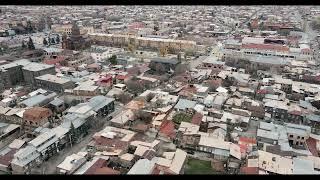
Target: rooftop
point(53, 78)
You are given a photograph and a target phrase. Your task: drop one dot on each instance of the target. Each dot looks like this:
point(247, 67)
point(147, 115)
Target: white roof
point(142, 166)
point(275, 163)
point(17, 144)
point(72, 161)
point(188, 128)
point(42, 138)
point(163, 161)
point(222, 89)
point(123, 117)
point(178, 161)
point(140, 150)
point(53, 79)
point(215, 143)
point(127, 157)
point(235, 151)
point(253, 40)
point(37, 66)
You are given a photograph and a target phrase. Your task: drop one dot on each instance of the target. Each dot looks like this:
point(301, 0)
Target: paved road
point(49, 167)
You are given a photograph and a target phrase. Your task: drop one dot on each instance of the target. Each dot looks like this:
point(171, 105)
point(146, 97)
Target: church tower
point(64, 41)
point(75, 30)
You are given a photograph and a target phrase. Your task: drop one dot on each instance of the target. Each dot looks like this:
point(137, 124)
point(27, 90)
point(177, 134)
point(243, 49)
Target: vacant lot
point(195, 166)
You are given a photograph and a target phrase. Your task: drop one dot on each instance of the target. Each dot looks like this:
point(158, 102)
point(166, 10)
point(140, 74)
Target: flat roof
point(37, 67)
point(53, 78)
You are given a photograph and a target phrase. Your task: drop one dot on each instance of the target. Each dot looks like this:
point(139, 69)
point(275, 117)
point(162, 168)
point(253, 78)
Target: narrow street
point(49, 167)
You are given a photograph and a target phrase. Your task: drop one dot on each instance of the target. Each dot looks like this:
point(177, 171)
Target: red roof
point(7, 158)
point(99, 167)
point(312, 146)
point(167, 128)
point(114, 143)
point(246, 140)
point(243, 148)
point(121, 77)
point(136, 25)
point(262, 91)
point(54, 61)
point(197, 118)
point(306, 50)
point(272, 47)
point(295, 112)
point(249, 170)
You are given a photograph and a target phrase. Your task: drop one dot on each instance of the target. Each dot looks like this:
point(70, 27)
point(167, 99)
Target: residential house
point(71, 164)
point(36, 117)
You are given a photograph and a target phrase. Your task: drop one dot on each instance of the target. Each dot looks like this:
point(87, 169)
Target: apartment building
point(53, 83)
point(141, 42)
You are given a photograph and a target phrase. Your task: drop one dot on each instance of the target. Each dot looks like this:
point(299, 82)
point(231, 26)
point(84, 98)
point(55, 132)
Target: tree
point(23, 45)
point(30, 44)
point(180, 69)
point(113, 59)
point(143, 116)
point(72, 134)
point(45, 42)
point(163, 51)
point(124, 98)
point(179, 117)
point(135, 87)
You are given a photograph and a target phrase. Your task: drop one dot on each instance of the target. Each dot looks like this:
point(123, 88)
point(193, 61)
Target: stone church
point(75, 41)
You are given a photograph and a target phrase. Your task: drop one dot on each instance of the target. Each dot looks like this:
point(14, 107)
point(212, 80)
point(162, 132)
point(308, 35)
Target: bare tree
point(124, 98)
point(134, 86)
point(143, 116)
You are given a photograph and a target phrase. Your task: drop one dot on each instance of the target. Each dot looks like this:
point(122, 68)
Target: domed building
point(75, 41)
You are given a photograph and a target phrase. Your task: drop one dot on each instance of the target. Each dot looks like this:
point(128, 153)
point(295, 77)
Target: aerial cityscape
point(159, 90)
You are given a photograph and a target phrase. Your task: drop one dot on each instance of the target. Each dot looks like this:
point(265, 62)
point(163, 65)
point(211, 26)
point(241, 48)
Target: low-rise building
point(36, 117)
point(71, 164)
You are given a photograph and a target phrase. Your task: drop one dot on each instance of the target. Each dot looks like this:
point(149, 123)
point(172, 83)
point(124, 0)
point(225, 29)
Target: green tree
point(179, 117)
point(30, 44)
point(72, 133)
point(45, 42)
point(113, 59)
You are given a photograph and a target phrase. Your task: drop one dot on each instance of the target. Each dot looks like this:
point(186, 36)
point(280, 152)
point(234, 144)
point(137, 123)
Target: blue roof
point(313, 117)
point(184, 104)
point(35, 100)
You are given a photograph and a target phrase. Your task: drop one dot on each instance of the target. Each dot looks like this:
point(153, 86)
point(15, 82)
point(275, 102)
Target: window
point(302, 137)
point(298, 137)
point(291, 136)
